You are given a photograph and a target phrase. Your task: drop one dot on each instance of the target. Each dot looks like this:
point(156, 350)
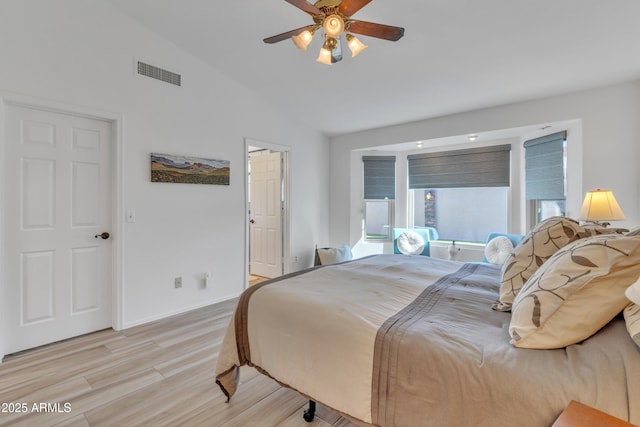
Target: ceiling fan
point(334, 17)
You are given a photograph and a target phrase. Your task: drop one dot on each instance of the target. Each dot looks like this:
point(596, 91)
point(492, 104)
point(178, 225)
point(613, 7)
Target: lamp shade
point(326, 53)
point(333, 25)
point(600, 205)
point(324, 57)
point(355, 45)
point(302, 40)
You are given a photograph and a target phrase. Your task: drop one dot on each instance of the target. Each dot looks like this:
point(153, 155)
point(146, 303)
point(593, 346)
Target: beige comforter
point(396, 340)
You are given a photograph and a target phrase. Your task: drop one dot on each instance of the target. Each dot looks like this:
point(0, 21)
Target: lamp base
point(602, 224)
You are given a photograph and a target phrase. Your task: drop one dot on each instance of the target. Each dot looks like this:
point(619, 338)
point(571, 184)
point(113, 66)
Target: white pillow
point(498, 249)
point(410, 243)
point(333, 255)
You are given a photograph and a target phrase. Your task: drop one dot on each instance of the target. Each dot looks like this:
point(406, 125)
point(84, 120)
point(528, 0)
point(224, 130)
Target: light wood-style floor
point(157, 374)
point(254, 280)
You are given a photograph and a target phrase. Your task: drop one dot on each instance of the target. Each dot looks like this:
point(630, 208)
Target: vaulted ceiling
point(455, 56)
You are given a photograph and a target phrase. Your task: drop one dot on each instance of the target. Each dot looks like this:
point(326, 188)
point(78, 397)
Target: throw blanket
point(396, 340)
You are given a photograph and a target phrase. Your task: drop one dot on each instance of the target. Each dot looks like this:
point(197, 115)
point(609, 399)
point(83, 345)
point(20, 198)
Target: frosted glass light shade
point(601, 205)
point(326, 52)
point(324, 57)
point(302, 40)
point(355, 45)
point(333, 25)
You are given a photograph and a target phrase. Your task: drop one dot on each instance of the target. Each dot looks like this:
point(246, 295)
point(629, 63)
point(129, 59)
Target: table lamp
point(600, 206)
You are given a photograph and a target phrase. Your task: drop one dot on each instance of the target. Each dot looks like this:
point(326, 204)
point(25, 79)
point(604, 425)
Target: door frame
point(286, 194)
point(117, 185)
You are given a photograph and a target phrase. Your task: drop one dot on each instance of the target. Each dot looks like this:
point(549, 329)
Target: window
point(379, 194)
point(462, 214)
point(545, 176)
point(378, 215)
point(462, 193)
point(544, 209)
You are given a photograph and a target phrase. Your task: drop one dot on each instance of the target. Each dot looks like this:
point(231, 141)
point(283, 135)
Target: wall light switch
point(131, 216)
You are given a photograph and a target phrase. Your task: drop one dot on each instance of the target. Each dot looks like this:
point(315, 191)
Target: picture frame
point(189, 169)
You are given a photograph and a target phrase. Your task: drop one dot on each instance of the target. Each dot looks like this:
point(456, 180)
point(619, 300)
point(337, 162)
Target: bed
point(398, 340)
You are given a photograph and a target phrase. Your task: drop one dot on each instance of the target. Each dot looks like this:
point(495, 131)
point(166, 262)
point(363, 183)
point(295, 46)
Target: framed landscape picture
point(189, 170)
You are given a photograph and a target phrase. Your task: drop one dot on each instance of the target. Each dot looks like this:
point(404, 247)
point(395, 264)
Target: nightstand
point(579, 415)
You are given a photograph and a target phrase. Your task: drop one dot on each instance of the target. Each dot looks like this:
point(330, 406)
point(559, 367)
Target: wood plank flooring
point(254, 280)
point(157, 374)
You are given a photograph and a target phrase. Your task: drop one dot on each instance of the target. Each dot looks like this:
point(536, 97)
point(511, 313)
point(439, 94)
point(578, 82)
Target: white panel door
point(265, 235)
point(57, 171)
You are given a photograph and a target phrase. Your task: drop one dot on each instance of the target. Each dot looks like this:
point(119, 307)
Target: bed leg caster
point(310, 412)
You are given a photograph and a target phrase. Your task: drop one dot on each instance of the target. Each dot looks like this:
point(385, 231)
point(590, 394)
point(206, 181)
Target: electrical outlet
point(177, 282)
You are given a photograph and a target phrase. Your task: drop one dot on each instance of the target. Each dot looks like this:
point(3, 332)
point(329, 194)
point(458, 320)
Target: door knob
point(104, 235)
point(252, 221)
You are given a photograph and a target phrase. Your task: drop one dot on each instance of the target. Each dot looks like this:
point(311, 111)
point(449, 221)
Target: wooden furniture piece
point(577, 414)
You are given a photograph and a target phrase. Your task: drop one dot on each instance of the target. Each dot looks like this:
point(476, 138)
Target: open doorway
point(267, 243)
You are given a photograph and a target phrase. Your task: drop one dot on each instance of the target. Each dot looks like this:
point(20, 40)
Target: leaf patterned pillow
point(576, 292)
point(544, 240)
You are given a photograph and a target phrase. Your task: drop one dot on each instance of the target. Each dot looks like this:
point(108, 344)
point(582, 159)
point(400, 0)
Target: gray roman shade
point(473, 167)
point(379, 177)
point(544, 167)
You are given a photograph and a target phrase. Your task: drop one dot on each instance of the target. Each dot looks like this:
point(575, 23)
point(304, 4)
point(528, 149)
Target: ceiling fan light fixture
point(355, 45)
point(334, 18)
point(303, 39)
point(325, 56)
point(333, 25)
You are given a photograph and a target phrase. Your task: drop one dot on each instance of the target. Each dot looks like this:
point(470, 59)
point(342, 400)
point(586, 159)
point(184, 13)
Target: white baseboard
point(139, 322)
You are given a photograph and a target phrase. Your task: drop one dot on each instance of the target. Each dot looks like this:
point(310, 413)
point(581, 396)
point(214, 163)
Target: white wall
point(81, 53)
point(603, 149)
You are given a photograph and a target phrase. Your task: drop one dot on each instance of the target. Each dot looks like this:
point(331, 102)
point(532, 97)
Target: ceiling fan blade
point(371, 29)
point(349, 7)
point(305, 6)
point(288, 34)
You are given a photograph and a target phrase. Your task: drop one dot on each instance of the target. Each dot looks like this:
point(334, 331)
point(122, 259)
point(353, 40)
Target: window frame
point(379, 186)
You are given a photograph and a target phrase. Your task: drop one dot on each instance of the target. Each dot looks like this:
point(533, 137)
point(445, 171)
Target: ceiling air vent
point(158, 73)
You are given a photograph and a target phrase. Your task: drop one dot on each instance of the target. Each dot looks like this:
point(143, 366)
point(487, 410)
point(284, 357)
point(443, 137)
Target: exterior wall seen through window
point(378, 220)
point(462, 214)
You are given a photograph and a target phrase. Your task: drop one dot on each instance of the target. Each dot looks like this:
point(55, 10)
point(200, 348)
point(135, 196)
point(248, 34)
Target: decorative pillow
point(498, 250)
point(410, 243)
point(632, 320)
point(536, 247)
point(633, 292)
point(334, 255)
point(632, 312)
point(576, 292)
point(634, 231)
